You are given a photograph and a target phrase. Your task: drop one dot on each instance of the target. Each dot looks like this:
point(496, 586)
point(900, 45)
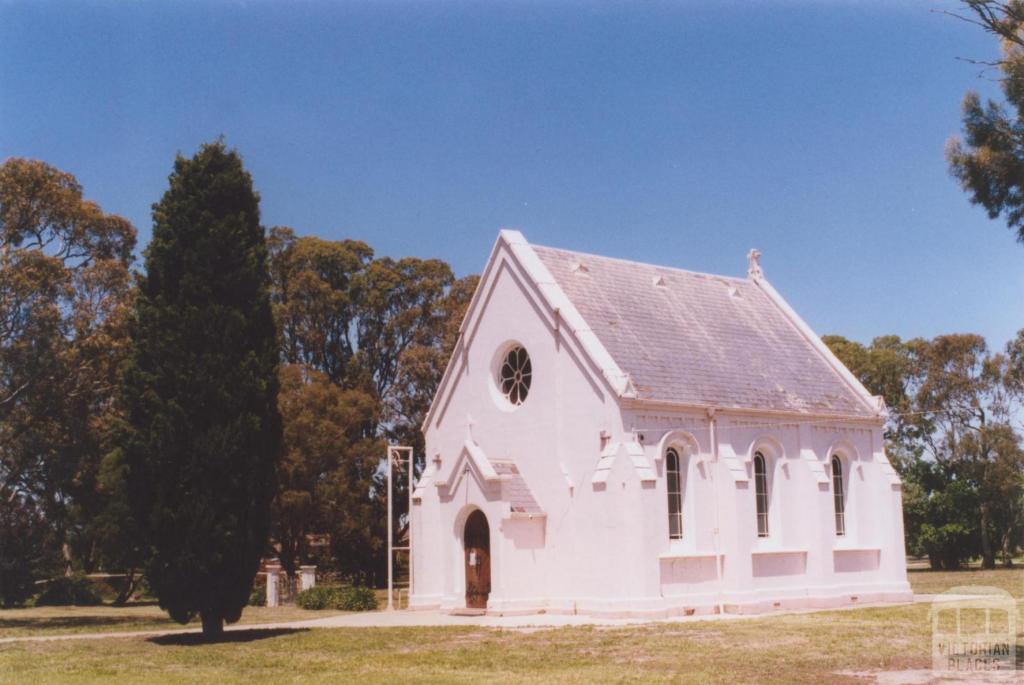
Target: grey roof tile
point(514, 489)
point(693, 338)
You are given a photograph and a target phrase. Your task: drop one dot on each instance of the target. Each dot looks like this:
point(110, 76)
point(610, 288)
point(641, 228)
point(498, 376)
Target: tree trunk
point(1008, 547)
point(130, 581)
point(65, 550)
point(213, 625)
point(988, 557)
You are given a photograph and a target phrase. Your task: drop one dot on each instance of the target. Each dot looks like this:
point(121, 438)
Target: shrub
point(68, 590)
point(258, 596)
point(318, 597)
point(357, 598)
point(353, 598)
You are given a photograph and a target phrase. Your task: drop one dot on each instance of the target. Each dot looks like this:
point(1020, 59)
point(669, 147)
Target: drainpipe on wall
point(713, 430)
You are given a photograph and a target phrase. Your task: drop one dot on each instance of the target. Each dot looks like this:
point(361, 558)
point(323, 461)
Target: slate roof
point(694, 338)
point(514, 489)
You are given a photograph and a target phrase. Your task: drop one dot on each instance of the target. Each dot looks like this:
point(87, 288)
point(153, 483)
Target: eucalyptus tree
point(954, 434)
point(965, 406)
point(380, 330)
point(65, 291)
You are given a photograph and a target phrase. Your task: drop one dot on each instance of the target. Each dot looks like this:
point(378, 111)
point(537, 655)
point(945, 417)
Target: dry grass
point(927, 582)
point(800, 648)
point(144, 617)
point(808, 648)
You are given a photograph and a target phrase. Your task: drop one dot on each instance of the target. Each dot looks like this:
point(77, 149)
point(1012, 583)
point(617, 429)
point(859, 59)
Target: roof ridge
point(738, 279)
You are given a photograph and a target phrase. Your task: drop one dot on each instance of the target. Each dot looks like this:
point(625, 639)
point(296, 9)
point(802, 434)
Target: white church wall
point(553, 437)
point(594, 463)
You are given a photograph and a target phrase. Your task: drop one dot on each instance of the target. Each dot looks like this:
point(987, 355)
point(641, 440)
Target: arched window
point(837, 494)
point(761, 494)
point(675, 494)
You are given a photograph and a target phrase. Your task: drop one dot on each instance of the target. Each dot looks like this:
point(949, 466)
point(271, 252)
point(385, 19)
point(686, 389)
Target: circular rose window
point(514, 376)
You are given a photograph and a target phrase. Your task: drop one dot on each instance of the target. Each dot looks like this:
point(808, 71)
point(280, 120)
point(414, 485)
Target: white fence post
point(273, 576)
point(307, 577)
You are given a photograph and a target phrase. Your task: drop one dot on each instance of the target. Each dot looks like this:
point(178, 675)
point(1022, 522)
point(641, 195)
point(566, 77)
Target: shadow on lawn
point(63, 622)
point(197, 639)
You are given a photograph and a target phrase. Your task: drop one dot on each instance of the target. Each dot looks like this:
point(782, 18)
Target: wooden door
point(477, 541)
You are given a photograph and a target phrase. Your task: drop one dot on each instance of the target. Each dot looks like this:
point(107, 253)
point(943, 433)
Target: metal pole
point(391, 603)
point(409, 544)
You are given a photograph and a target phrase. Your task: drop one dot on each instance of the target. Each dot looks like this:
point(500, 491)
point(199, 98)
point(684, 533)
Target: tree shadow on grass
point(247, 635)
point(56, 623)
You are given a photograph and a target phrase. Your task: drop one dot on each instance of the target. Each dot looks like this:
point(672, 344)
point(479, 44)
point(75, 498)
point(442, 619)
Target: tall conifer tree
point(201, 392)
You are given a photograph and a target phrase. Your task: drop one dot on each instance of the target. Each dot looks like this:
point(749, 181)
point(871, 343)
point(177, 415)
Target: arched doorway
point(477, 543)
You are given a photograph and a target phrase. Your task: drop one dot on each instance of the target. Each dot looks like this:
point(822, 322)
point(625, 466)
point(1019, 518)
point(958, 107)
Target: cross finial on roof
point(754, 264)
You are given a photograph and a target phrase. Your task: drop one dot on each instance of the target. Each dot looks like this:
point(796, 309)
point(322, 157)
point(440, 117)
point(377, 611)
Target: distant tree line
point(954, 436)
point(360, 342)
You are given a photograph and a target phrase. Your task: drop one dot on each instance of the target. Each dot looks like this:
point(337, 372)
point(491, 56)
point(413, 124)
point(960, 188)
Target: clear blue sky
point(681, 134)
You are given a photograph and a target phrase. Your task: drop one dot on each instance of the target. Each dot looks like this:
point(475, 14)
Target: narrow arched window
point(761, 494)
point(837, 495)
point(675, 494)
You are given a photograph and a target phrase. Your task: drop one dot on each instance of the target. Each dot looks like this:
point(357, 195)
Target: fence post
point(307, 577)
point(273, 577)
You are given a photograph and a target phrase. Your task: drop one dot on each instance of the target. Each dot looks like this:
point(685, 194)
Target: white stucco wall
point(557, 427)
point(604, 548)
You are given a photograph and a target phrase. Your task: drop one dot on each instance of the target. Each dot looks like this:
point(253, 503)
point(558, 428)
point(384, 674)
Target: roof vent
point(734, 292)
point(659, 281)
point(579, 268)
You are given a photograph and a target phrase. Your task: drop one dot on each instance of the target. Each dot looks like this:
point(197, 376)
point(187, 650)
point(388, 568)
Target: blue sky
point(676, 133)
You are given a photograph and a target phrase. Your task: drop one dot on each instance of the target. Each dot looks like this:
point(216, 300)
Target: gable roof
point(667, 335)
point(699, 339)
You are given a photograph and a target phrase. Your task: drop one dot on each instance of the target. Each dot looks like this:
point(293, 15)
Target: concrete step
point(467, 612)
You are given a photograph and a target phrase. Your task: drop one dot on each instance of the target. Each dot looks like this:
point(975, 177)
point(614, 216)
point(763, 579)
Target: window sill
point(688, 554)
point(846, 547)
point(778, 550)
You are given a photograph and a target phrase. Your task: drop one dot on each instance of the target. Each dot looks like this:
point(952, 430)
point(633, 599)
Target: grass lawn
point(802, 648)
point(111, 619)
point(925, 582)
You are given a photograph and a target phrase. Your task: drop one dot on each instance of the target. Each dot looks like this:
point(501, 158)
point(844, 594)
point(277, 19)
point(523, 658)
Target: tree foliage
point(952, 436)
point(989, 160)
point(886, 368)
point(325, 444)
point(364, 341)
point(423, 363)
point(65, 292)
point(965, 403)
point(201, 392)
point(380, 330)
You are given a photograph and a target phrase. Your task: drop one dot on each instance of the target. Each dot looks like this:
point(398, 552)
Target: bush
point(357, 598)
point(318, 597)
point(258, 596)
point(68, 590)
point(353, 598)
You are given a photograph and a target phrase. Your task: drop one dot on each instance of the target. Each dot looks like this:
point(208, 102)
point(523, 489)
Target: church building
point(623, 439)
